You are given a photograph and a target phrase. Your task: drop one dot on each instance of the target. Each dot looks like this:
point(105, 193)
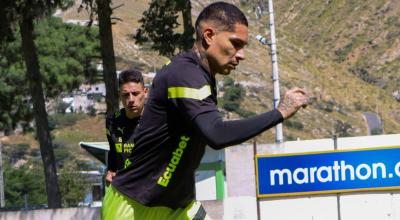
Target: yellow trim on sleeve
point(190, 93)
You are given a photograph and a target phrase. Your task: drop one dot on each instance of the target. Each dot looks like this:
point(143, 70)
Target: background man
point(121, 124)
point(181, 118)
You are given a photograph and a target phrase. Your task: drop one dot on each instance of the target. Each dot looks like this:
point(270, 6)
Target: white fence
point(53, 214)
point(372, 205)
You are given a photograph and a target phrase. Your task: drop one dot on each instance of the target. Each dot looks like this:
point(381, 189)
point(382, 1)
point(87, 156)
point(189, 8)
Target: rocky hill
point(345, 53)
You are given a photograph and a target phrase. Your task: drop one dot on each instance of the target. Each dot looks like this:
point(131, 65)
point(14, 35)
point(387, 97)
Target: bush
point(290, 138)
point(63, 120)
point(233, 96)
point(88, 165)
point(358, 106)
point(61, 107)
point(234, 93)
point(61, 155)
point(59, 144)
point(23, 180)
point(97, 97)
point(342, 129)
point(91, 110)
point(245, 113)
point(342, 53)
point(392, 21)
point(73, 184)
point(17, 152)
point(35, 153)
point(377, 131)
point(328, 106)
point(364, 74)
point(293, 124)
point(230, 106)
point(228, 82)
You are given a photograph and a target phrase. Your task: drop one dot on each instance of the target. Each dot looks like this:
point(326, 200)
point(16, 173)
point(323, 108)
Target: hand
point(292, 101)
point(109, 176)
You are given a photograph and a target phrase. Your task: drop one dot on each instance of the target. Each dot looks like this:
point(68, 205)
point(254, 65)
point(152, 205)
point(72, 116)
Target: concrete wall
point(205, 179)
point(53, 214)
point(214, 209)
point(240, 202)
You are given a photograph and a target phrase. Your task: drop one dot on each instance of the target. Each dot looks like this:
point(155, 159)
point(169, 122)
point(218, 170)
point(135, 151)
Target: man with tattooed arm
point(181, 117)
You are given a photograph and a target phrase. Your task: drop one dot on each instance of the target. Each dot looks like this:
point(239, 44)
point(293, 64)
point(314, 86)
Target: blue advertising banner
point(328, 172)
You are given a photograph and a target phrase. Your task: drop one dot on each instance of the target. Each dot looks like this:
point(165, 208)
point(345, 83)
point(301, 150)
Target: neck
point(201, 54)
point(131, 115)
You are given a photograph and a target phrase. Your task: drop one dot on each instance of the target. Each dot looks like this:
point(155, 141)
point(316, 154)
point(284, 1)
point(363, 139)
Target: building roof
point(97, 149)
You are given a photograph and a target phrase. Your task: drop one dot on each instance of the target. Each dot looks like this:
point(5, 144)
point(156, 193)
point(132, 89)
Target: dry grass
point(308, 34)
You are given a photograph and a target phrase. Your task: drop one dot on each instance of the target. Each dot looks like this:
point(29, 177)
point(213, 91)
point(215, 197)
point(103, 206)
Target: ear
point(208, 35)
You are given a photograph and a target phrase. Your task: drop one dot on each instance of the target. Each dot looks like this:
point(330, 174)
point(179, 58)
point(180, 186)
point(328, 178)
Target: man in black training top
point(181, 118)
point(121, 124)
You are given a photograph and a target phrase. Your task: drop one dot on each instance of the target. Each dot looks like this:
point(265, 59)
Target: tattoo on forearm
point(287, 105)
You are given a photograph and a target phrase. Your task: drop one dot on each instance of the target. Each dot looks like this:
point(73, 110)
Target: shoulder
point(186, 70)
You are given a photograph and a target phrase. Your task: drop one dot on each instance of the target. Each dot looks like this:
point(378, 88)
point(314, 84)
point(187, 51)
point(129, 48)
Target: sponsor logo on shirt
point(121, 129)
point(118, 147)
point(127, 163)
point(174, 162)
point(128, 147)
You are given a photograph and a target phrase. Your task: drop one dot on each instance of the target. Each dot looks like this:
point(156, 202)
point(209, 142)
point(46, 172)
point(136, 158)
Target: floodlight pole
point(275, 73)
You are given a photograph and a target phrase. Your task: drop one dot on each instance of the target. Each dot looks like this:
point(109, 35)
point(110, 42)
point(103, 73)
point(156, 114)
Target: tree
point(14, 101)
point(73, 184)
point(7, 19)
point(104, 11)
point(42, 124)
point(342, 129)
point(24, 14)
point(107, 54)
point(186, 40)
point(25, 180)
point(67, 57)
point(233, 95)
point(159, 24)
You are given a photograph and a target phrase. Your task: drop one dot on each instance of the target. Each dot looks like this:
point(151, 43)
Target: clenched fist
point(292, 101)
point(109, 176)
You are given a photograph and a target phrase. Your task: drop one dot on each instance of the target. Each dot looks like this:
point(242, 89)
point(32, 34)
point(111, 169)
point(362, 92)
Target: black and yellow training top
point(119, 129)
point(179, 120)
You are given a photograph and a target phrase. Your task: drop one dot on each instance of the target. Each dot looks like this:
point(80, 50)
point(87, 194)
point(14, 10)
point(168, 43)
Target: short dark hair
point(130, 76)
point(223, 15)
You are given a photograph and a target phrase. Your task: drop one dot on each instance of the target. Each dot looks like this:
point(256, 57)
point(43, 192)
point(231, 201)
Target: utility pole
point(275, 73)
point(335, 147)
point(275, 79)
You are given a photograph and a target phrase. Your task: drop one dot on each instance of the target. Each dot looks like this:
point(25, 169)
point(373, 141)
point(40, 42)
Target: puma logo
point(121, 129)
